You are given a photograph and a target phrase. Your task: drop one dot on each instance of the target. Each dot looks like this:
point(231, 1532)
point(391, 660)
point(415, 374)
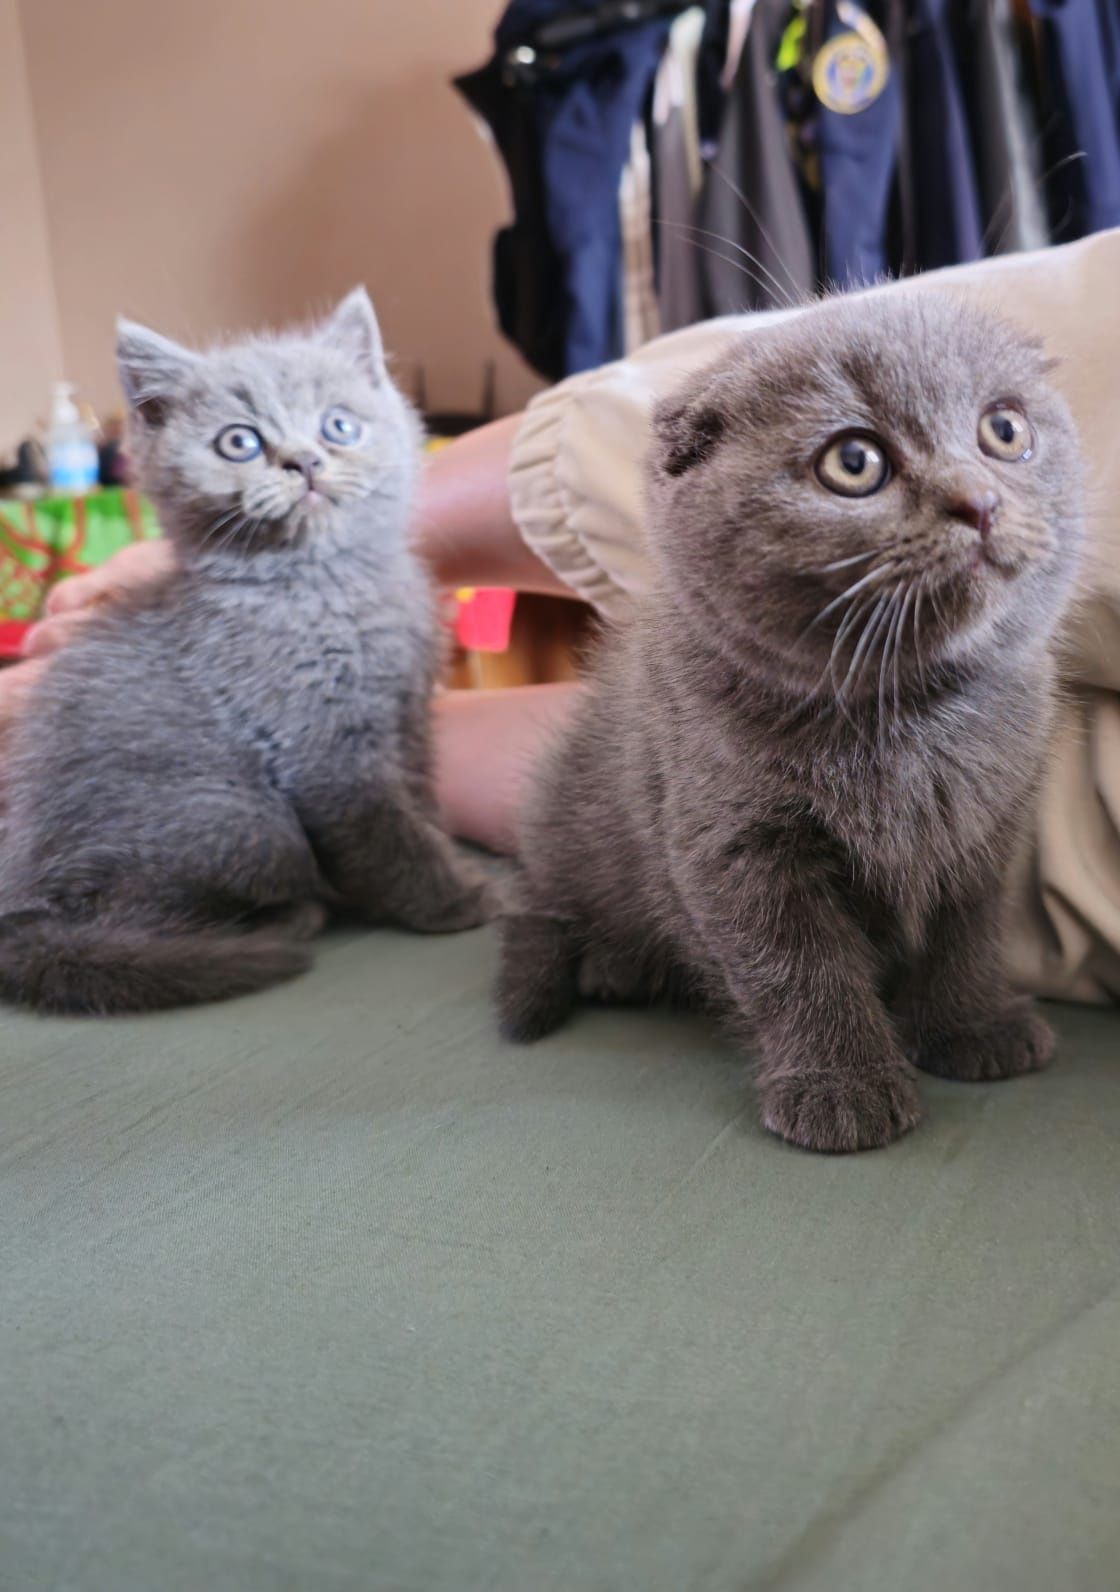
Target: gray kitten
point(799, 772)
point(211, 766)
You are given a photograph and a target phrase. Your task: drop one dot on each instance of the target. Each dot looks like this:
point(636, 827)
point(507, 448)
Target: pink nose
point(977, 509)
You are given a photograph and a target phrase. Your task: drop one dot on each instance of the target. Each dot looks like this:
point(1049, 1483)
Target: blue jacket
point(580, 109)
point(858, 158)
point(1081, 41)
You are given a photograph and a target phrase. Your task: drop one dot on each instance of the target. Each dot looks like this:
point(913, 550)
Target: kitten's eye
point(238, 443)
point(1005, 433)
point(341, 427)
point(853, 466)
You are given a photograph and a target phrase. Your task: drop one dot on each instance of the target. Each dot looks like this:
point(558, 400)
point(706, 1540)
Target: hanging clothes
point(721, 47)
point(679, 175)
point(949, 228)
point(527, 271)
point(858, 154)
point(752, 197)
point(711, 91)
point(1005, 134)
point(641, 316)
point(1108, 16)
point(739, 20)
point(578, 105)
point(902, 217)
point(1079, 39)
point(852, 139)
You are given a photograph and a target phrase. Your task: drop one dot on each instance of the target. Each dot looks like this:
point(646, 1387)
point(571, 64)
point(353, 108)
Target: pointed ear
point(353, 331)
point(152, 370)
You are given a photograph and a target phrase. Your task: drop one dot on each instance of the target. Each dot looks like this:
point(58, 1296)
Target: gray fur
point(800, 809)
point(216, 761)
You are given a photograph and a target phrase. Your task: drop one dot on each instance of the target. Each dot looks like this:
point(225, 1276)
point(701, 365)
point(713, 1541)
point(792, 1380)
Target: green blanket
point(331, 1289)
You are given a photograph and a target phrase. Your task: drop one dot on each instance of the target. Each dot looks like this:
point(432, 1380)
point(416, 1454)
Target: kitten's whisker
point(235, 531)
point(862, 647)
point(856, 610)
point(844, 563)
point(222, 520)
point(1040, 184)
point(227, 539)
point(938, 611)
point(884, 664)
point(1042, 134)
point(919, 598)
point(832, 606)
point(798, 292)
point(718, 237)
point(1034, 146)
point(908, 598)
point(877, 637)
point(706, 248)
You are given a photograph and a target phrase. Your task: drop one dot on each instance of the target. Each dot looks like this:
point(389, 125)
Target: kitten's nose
point(307, 463)
point(977, 509)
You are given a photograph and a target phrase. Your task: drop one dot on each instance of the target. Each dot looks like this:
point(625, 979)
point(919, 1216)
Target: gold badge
point(851, 70)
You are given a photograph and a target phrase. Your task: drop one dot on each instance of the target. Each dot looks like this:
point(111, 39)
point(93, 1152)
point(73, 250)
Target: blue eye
point(239, 444)
point(341, 427)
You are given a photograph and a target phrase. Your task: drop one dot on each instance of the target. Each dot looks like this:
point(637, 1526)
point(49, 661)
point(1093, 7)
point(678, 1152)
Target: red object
point(484, 620)
point(482, 624)
point(12, 632)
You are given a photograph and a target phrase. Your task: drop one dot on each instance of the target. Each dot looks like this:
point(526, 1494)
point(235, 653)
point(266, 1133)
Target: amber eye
point(1005, 433)
point(854, 466)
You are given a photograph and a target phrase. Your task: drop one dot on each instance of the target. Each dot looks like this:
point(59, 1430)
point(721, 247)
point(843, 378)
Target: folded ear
point(353, 332)
point(686, 432)
point(152, 370)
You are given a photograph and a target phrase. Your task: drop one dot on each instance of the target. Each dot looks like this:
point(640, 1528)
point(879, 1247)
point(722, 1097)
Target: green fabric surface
point(330, 1289)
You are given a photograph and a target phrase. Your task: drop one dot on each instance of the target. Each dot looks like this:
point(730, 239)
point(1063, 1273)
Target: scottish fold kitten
point(213, 765)
point(798, 774)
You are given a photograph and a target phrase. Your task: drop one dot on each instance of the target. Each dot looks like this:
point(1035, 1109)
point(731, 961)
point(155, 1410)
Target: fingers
point(50, 634)
point(76, 592)
point(72, 601)
point(133, 566)
point(68, 608)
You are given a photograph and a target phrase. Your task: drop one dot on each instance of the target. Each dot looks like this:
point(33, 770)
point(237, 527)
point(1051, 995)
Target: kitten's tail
point(103, 967)
point(538, 981)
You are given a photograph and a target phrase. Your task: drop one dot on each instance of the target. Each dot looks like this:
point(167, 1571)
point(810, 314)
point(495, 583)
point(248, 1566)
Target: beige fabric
point(576, 490)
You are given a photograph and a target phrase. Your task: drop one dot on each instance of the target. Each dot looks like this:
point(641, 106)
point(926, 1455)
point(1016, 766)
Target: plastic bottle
point(71, 449)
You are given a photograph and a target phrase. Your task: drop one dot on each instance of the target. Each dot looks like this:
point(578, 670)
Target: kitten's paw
point(537, 986)
point(1021, 1041)
point(480, 902)
point(611, 978)
point(837, 1112)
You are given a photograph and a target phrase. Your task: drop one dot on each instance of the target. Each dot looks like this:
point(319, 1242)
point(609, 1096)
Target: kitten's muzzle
point(304, 462)
point(978, 509)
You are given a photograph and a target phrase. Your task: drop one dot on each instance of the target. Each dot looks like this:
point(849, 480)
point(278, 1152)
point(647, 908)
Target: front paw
point(840, 1111)
point(611, 977)
point(480, 902)
point(1020, 1041)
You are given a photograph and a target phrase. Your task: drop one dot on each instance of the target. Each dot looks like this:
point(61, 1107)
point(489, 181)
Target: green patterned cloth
point(45, 539)
point(331, 1290)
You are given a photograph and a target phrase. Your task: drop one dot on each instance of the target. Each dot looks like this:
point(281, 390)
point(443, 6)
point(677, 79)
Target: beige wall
point(211, 164)
point(30, 352)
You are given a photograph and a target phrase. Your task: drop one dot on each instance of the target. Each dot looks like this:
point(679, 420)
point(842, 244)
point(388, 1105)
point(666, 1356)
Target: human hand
point(73, 602)
point(69, 606)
